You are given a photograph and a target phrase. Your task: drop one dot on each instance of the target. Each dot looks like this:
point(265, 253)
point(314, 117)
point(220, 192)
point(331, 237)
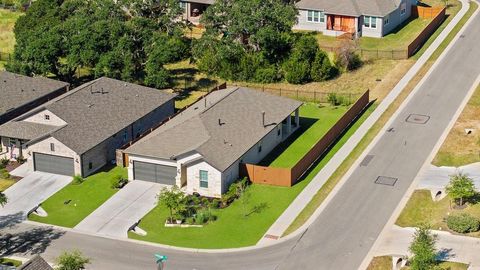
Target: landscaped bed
point(232, 229)
point(421, 209)
point(385, 263)
point(82, 199)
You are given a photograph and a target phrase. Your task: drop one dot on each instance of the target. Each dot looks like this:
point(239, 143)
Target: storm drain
point(366, 160)
point(385, 180)
point(418, 119)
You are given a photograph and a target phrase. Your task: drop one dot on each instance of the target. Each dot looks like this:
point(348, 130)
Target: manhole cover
point(417, 119)
point(366, 160)
point(385, 180)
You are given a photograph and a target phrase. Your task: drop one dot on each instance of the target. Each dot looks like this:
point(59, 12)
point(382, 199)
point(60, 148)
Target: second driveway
point(30, 192)
point(122, 210)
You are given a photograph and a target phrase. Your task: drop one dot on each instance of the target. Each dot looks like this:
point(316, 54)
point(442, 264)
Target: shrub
point(21, 159)
point(297, 71)
point(463, 223)
point(266, 75)
point(118, 182)
point(322, 69)
point(333, 99)
point(346, 58)
point(77, 179)
point(4, 162)
point(4, 174)
point(204, 216)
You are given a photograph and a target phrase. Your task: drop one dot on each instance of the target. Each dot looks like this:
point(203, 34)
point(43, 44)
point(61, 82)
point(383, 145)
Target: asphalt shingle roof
point(35, 263)
point(95, 111)
point(17, 90)
point(222, 127)
point(352, 7)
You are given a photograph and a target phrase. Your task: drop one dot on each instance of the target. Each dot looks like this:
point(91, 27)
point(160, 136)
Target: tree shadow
point(258, 208)
point(10, 221)
point(474, 199)
point(32, 241)
point(445, 254)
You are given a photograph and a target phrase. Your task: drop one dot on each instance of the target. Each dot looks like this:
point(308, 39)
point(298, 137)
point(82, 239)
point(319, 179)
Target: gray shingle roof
point(352, 7)
point(17, 90)
point(35, 263)
point(197, 129)
point(97, 110)
point(25, 130)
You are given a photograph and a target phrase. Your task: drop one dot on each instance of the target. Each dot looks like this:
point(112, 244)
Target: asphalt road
point(346, 230)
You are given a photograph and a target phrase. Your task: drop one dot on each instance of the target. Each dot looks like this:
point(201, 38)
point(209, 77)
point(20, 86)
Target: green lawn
point(10, 262)
point(85, 198)
point(232, 229)
point(421, 209)
point(398, 39)
point(315, 121)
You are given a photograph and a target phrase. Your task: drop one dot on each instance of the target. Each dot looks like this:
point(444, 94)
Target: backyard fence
point(304, 95)
point(427, 12)
point(429, 30)
point(289, 176)
point(373, 54)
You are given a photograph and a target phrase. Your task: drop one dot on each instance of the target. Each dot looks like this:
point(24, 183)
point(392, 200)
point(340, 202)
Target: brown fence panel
point(427, 12)
point(427, 32)
point(330, 137)
point(267, 175)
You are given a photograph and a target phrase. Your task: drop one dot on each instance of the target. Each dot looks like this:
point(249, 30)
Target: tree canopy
point(106, 37)
point(460, 187)
point(423, 249)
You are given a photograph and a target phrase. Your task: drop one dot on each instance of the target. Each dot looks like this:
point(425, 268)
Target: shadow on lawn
point(320, 158)
point(305, 124)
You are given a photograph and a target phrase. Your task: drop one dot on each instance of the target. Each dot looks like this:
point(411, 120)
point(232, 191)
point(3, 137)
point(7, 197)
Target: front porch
point(338, 25)
point(11, 148)
point(193, 12)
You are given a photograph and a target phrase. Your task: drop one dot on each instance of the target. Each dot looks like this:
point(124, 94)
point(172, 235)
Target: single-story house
point(78, 132)
point(35, 263)
point(201, 149)
point(20, 93)
point(193, 9)
point(370, 18)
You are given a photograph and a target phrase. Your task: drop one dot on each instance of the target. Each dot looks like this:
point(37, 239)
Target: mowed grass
point(85, 198)
point(232, 229)
point(421, 209)
point(398, 39)
point(461, 148)
point(385, 263)
point(315, 121)
point(6, 183)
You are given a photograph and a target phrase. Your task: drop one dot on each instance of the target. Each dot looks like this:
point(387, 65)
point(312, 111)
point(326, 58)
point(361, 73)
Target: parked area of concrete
point(30, 191)
point(122, 210)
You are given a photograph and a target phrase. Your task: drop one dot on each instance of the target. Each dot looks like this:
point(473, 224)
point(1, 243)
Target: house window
point(125, 135)
point(403, 9)
point(203, 179)
point(315, 16)
point(370, 22)
point(52, 147)
point(259, 149)
point(386, 20)
point(279, 132)
point(90, 165)
point(47, 117)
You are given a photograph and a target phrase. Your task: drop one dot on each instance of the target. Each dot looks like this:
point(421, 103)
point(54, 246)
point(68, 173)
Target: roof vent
point(263, 118)
point(220, 123)
point(33, 89)
point(90, 105)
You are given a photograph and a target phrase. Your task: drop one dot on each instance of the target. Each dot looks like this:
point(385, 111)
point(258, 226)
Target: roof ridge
point(218, 101)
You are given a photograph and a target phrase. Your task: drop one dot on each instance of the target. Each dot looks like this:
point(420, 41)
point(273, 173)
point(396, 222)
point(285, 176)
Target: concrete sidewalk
point(434, 177)
point(454, 248)
point(289, 215)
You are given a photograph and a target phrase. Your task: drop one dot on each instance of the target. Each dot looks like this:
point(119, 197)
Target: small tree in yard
point(173, 199)
point(423, 249)
point(72, 261)
point(461, 187)
point(3, 199)
point(243, 195)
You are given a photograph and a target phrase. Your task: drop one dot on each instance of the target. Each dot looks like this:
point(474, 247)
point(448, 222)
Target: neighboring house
point(370, 18)
point(20, 94)
point(35, 263)
point(79, 132)
point(200, 149)
point(193, 9)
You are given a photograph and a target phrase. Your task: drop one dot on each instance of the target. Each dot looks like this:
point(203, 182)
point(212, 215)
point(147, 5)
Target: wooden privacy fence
point(429, 30)
point(289, 176)
point(427, 12)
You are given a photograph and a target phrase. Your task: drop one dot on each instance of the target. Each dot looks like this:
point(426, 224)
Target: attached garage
point(157, 173)
point(53, 164)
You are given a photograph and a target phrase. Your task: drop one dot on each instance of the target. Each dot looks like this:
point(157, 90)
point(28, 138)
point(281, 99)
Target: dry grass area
point(7, 22)
point(385, 263)
point(461, 148)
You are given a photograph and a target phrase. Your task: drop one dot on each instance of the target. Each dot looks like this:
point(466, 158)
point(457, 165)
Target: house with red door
point(370, 18)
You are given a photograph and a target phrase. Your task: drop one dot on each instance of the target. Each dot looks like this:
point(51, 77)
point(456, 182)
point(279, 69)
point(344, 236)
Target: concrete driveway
point(30, 191)
point(122, 210)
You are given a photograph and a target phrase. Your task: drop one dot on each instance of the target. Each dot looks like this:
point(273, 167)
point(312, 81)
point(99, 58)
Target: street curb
point(437, 146)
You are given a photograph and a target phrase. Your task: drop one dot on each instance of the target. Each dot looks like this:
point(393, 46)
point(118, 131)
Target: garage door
point(53, 164)
point(154, 173)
